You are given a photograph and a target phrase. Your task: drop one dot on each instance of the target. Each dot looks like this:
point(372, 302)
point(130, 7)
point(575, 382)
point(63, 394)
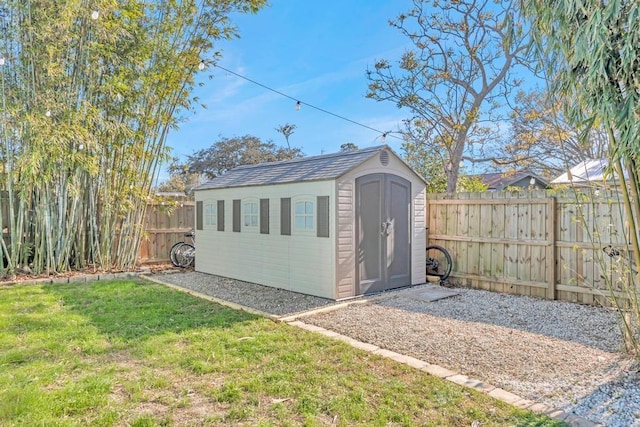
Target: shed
point(334, 226)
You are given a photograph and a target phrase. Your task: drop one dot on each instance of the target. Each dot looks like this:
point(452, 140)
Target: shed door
point(383, 224)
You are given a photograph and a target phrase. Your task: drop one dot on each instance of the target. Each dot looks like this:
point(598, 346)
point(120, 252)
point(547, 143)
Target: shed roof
point(314, 168)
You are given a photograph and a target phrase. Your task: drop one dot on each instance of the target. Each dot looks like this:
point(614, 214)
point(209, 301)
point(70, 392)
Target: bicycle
point(183, 254)
point(438, 262)
point(621, 258)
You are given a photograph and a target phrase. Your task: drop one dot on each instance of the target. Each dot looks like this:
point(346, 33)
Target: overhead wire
point(299, 102)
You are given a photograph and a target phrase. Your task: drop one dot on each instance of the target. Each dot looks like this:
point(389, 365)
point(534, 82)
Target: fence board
point(164, 226)
point(537, 243)
point(485, 249)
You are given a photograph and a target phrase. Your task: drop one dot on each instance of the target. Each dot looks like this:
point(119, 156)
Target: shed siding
point(346, 246)
point(301, 262)
point(345, 240)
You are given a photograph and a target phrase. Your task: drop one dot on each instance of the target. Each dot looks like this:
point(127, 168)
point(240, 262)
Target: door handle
point(385, 228)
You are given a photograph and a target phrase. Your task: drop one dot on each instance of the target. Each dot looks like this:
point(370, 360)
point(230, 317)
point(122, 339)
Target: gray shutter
point(198, 215)
point(220, 215)
point(236, 216)
point(264, 216)
point(323, 216)
point(285, 216)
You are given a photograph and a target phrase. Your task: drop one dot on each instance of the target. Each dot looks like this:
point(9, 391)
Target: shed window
point(250, 214)
point(304, 216)
point(210, 214)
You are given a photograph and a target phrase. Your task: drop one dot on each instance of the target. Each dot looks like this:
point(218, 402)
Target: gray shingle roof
point(316, 168)
point(501, 180)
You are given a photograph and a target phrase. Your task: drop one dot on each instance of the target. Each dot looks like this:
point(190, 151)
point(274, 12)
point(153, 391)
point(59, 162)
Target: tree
point(286, 130)
point(452, 80)
point(89, 92)
point(591, 50)
point(180, 179)
point(542, 140)
point(348, 146)
point(228, 153)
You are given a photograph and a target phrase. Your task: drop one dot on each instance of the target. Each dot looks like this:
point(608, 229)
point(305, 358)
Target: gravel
point(263, 298)
point(563, 355)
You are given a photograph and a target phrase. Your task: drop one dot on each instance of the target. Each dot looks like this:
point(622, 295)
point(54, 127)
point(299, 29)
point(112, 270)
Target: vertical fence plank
point(524, 234)
point(498, 227)
point(485, 250)
point(552, 218)
point(538, 234)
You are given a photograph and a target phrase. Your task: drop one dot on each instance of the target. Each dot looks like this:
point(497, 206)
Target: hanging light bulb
point(298, 105)
point(384, 137)
point(2, 61)
point(95, 14)
point(108, 170)
point(201, 66)
point(48, 113)
point(80, 147)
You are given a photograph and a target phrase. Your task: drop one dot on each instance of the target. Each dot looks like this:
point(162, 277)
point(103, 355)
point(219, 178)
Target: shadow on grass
point(135, 310)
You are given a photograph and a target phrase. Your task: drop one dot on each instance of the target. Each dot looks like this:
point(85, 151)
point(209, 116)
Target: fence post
point(551, 248)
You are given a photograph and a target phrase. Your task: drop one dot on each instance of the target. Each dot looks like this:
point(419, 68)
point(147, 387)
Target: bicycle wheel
point(185, 255)
point(172, 253)
point(438, 262)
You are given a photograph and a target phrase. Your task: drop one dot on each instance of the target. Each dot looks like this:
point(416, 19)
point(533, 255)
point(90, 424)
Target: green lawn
point(136, 353)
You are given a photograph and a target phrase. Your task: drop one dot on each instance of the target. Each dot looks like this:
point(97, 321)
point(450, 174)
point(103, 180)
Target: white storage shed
point(334, 226)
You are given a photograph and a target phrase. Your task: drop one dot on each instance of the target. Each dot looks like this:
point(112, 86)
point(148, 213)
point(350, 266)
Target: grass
point(136, 353)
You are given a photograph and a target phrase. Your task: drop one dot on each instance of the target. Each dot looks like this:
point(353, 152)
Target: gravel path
point(560, 354)
point(262, 298)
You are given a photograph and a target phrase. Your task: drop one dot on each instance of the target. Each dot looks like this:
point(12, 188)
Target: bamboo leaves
point(89, 92)
point(591, 49)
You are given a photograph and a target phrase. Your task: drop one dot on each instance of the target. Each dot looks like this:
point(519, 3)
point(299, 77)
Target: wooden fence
point(537, 243)
point(163, 227)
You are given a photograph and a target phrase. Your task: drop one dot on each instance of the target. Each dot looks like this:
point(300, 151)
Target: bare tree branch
point(456, 73)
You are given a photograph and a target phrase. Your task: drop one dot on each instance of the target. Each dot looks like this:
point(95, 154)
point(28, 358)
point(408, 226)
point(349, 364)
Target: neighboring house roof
point(586, 172)
point(501, 180)
point(315, 168)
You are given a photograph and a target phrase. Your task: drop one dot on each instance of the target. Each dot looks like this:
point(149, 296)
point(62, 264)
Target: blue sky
point(314, 51)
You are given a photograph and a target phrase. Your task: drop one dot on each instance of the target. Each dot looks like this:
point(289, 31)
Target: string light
point(299, 103)
point(48, 113)
point(383, 139)
point(95, 15)
point(80, 147)
point(201, 66)
point(2, 61)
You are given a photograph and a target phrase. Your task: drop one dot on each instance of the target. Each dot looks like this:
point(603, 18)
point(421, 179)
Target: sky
point(316, 52)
